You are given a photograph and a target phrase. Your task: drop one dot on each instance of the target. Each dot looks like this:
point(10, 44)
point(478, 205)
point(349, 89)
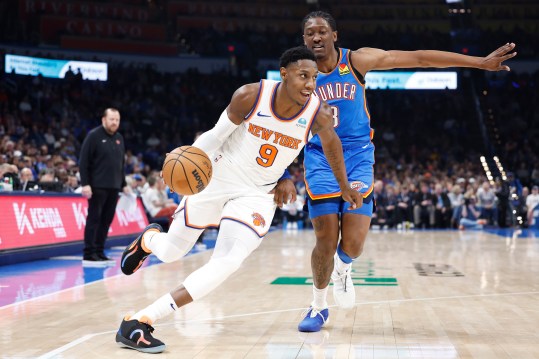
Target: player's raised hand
point(353, 197)
point(284, 192)
point(494, 61)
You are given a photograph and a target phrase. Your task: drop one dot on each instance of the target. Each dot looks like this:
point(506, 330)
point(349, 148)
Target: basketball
point(187, 170)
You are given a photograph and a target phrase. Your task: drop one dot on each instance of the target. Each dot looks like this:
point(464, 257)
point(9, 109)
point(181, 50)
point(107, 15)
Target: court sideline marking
point(84, 338)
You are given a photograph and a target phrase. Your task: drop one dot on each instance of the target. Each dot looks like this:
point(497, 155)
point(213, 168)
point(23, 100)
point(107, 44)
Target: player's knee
point(326, 247)
point(170, 254)
point(227, 265)
point(353, 246)
point(172, 247)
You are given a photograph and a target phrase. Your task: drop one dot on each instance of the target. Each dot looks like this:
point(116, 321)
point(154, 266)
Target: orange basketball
point(187, 170)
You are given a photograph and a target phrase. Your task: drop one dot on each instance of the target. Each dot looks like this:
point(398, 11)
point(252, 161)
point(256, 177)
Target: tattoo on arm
point(334, 158)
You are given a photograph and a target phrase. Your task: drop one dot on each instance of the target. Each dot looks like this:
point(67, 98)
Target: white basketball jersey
point(265, 144)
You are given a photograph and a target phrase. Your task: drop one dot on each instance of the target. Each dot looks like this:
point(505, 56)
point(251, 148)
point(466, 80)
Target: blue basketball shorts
point(324, 195)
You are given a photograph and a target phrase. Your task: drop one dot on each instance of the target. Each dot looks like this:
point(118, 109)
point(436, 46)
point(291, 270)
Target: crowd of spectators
point(428, 143)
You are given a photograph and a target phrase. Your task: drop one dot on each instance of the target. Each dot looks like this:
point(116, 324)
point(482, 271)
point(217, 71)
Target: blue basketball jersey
point(345, 94)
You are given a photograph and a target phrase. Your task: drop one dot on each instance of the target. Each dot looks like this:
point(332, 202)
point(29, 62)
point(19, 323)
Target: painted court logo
point(258, 220)
point(343, 69)
point(358, 185)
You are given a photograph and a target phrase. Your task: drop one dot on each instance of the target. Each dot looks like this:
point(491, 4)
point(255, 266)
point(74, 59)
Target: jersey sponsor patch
point(343, 69)
point(302, 122)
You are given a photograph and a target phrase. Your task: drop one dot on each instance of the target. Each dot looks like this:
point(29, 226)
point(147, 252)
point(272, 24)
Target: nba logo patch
point(343, 69)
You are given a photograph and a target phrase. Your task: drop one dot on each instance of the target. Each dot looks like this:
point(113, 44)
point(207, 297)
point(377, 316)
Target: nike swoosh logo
point(261, 115)
point(365, 146)
point(172, 306)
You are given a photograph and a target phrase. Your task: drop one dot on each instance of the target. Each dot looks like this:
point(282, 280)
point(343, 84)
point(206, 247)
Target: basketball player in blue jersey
point(341, 84)
point(263, 129)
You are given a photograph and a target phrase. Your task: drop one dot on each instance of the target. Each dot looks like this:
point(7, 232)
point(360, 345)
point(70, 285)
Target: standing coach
point(102, 177)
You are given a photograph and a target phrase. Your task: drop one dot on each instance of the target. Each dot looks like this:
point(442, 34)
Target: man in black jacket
point(102, 177)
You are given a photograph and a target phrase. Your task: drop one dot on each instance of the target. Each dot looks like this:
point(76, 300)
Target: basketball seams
point(189, 164)
point(197, 154)
point(202, 171)
point(173, 166)
point(185, 173)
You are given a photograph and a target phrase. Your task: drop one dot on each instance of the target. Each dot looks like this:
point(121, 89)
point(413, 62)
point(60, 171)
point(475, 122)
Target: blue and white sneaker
point(344, 292)
point(314, 320)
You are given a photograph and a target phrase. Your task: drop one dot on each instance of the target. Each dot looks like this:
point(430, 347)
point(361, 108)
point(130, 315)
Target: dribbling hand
point(353, 197)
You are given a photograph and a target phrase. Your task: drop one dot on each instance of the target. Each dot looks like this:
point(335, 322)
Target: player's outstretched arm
point(240, 105)
point(323, 127)
point(367, 59)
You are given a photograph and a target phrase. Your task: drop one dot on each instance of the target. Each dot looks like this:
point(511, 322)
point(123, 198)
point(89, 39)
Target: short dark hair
point(295, 54)
point(321, 14)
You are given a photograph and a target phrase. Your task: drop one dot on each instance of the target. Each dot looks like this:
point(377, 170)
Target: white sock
point(340, 265)
point(320, 298)
point(147, 239)
point(157, 310)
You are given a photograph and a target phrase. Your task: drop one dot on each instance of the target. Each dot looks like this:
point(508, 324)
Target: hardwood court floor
point(420, 295)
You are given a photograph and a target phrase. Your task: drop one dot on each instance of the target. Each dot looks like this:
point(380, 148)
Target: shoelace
point(313, 314)
point(149, 327)
point(342, 276)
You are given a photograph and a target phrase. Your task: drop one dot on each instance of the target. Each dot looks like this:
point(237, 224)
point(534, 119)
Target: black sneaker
point(92, 260)
point(104, 257)
point(133, 255)
point(137, 335)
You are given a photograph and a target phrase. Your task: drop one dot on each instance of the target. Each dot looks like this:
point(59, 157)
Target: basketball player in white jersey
point(260, 133)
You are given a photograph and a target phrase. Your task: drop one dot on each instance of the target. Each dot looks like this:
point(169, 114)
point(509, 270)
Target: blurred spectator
point(404, 212)
point(9, 177)
point(532, 201)
point(424, 210)
point(470, 215)
point(515, 185)
point(487, 203)
point(390, 206)
point(27, 180)
point(502, 193)
point(442, 208)
point(156, 200)
point(520, 209)
point(72, 184)
point(379, 218)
